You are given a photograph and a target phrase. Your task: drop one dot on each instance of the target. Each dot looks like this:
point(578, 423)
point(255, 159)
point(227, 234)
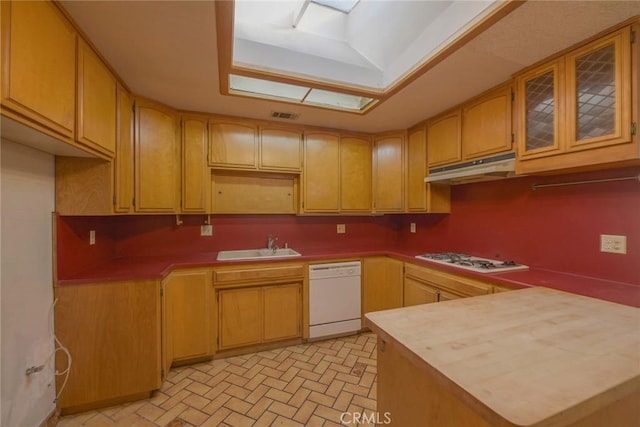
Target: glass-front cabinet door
point(598, 92)
point(540, 110)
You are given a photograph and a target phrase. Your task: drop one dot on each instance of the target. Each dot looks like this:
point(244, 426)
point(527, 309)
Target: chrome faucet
point(271, 243)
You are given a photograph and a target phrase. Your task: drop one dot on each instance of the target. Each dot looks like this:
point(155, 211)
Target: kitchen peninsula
point(533, 357)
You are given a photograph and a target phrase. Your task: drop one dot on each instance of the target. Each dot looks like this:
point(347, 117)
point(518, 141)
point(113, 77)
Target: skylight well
point(364, 49)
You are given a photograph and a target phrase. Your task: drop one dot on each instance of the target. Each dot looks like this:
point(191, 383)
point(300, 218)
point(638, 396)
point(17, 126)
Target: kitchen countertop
point(138, 268)
point(529, 357)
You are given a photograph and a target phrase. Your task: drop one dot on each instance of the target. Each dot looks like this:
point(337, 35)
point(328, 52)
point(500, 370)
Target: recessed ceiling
point(167, 51)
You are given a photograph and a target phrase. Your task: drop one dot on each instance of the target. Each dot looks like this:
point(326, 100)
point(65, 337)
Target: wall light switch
point(342, 228)
point(92, 237)
point(206, 230)
point(613, 244)
point(413, 227)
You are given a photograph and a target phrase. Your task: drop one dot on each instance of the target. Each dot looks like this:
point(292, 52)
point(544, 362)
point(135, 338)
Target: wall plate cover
point(206, 230)
point(613, 244)
point(341, 228)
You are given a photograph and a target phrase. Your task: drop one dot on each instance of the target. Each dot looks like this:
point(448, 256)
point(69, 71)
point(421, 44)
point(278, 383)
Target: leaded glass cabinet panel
point(598, 101)
point(540, 108)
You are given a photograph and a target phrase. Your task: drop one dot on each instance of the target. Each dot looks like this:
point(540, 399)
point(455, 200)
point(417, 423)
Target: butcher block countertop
point(531, 357)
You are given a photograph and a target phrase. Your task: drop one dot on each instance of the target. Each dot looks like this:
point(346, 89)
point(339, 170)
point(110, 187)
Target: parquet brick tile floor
point(304, 385)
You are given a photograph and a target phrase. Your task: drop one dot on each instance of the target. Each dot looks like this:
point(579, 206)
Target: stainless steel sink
point(257, 254)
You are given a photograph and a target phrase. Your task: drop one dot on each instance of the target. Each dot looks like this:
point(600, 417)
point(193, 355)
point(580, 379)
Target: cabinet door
point(156, 159)
point(189, 304)
point(389, 174)
point(355, 174)
point(486, 124)
point(539, 110)
point(280, 149)
point(112, 331)
point(96, 109)
point(253, 194)
point(447, 296)
point(444, 135)
point(382, 284)
point(417, 170)
point(196, 179)
point(415, 293)
point(240, 317)
point(233, 144)
point(599, 92)
point(282, 312)
point(123, 162)
point(39, 64)
point(321, 172)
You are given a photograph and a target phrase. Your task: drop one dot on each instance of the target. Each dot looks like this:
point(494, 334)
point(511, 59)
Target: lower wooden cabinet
point(113, 333)
point(259, 314)
point(423, 285)
point(416, 293)
point(189, 315)
point(382, 284)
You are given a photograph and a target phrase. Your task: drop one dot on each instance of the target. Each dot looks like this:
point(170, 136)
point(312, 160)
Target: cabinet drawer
point(454, 283)
point(261, 273)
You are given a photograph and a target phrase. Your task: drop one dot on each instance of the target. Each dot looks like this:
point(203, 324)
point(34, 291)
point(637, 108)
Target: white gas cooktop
point(468, 262)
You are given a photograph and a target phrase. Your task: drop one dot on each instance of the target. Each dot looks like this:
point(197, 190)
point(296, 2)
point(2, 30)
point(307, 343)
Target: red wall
point(556, 228)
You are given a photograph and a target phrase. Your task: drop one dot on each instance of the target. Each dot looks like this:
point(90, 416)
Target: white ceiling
point(166, 50)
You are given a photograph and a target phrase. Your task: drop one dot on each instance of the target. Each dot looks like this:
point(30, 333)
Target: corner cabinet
point(157, 158)
point(39, 67)
point(196, 176)
point(576, 112)
point(381, 284)
point(389, 172)
point(422, 197)
point(113, 332)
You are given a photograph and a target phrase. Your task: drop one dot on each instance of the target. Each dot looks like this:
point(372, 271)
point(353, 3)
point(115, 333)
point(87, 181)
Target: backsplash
point(556, 228)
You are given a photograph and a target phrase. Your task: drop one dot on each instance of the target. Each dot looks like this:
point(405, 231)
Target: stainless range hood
point(487, 169)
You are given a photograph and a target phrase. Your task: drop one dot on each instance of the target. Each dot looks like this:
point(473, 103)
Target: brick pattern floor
point(304, 385)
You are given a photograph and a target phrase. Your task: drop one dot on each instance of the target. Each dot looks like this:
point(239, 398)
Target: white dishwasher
point(334, 298)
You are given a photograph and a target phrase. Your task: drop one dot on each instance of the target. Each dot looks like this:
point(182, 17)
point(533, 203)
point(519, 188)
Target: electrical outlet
point(613, 244)
point(341, 228)
point(92, 237)
point(206, 230)
point(413, 227)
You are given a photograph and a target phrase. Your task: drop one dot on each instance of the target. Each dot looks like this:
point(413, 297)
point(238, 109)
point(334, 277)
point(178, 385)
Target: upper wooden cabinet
point(196, 177)
point(123, 162)
point(280, 148)
point(355, 174)
point(96, 108)
point(389, 172)
point(422, 197)
point(233, 144)
point(575, 111)
point(90, 186)
point(444, 138)
point(486, 124)
point(157, 158)
point(321, 177)
point(39, 67)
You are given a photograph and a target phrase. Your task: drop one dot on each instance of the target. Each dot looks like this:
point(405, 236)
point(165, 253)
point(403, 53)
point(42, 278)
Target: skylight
point(368, 51)
point(297, 94)
point(344, 6)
